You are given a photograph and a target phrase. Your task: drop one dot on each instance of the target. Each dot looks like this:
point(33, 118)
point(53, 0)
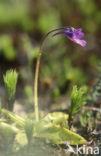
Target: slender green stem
point(37, 72)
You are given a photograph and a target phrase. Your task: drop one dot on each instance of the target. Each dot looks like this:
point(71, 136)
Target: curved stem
point(37, 72)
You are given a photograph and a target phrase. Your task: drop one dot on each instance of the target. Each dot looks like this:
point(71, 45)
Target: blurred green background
point(23, 23)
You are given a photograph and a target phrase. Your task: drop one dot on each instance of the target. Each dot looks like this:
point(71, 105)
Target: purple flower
point(74, 35)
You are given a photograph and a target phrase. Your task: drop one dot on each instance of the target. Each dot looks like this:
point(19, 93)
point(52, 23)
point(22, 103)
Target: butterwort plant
point(71, 33)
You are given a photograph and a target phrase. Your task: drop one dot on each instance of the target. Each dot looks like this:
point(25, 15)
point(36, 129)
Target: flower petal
point(80, 29)
point(78, 34)
point(81, 42)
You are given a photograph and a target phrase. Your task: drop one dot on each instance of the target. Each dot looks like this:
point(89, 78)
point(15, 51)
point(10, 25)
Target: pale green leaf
point(50, 128)
point(7, 130)
point(55, 118)
point(17, 119)
point(59, 135)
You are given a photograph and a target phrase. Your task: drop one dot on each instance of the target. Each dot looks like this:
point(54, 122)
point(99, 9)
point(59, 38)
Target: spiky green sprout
point(78, 100)
point(10, 80)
